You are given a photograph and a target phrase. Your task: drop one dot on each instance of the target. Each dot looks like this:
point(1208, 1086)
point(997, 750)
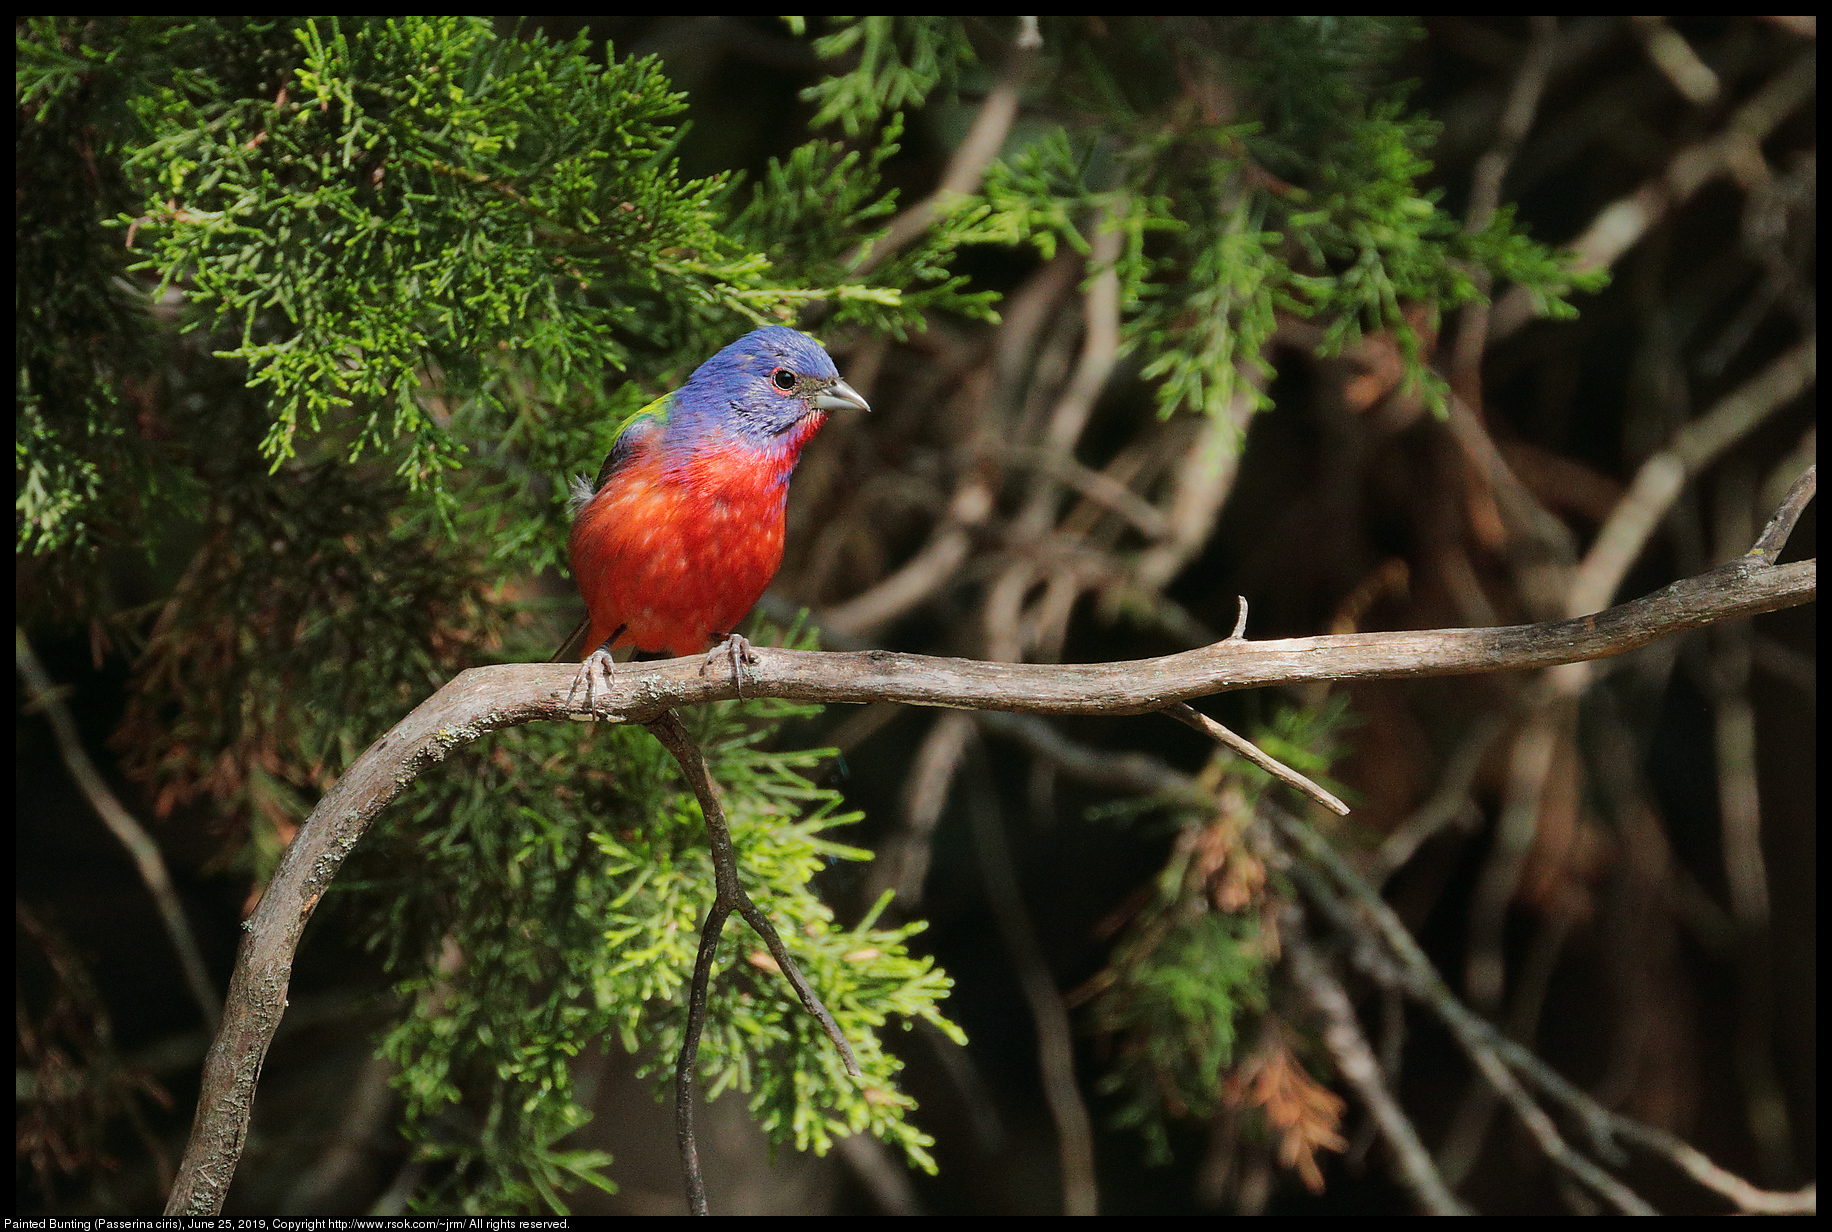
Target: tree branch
point(487, 699)
point(668, 729)
point(1190, 716)
point(1412, 1165)
point(141, 846)
point(1744, 587)
point(1399, 960)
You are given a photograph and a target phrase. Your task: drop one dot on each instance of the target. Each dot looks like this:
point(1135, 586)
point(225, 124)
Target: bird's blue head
point(762, 388)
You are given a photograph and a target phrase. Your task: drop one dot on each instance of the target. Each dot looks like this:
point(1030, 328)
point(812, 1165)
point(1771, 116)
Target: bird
point(683, 528)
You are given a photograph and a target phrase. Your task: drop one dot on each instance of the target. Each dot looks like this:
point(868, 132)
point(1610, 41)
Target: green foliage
point(421, 237)
point(81, 346)
point(486, 184)
point(1181, 982)
point(1193, 967)
point(1253, 167)
point(413, 232)
point(826, 198)
point(579, 923)
point(900, 59)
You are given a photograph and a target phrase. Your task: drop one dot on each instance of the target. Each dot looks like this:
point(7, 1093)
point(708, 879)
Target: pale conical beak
point(837, 397)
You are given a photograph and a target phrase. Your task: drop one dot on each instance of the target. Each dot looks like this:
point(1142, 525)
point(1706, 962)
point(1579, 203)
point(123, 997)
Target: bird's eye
point(783, 379)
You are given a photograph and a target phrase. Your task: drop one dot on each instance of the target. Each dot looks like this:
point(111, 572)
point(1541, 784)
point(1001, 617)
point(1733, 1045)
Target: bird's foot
point(741, 654)
point(598, 662)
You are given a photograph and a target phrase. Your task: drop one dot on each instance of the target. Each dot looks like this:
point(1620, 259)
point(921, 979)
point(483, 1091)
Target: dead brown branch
point(1191, 717)
point(1355, 1061)
point(1735, 151)
point(141, 847)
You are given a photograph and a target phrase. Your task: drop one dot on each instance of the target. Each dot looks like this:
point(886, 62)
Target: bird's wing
point(642, 429)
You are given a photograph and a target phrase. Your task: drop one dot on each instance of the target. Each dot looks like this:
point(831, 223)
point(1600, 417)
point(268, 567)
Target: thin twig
point(1240, 621)
point(1055, 1047)
point(729, 896)
point(1659, 480)
point(1190, 716)
point(1603, 1125)
point(1775, 534)
point(690, 1048)
point(668, 728)
point(140, 845)
point(1474, 1035)
point(1412, 1165)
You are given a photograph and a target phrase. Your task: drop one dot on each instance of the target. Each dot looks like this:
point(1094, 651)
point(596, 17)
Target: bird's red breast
point(677, 550)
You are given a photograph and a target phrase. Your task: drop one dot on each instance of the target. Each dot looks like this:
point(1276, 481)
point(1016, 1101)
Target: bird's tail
point(573, 649)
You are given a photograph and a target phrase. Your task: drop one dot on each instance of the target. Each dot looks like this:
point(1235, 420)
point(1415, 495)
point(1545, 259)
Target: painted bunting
point(683, 530)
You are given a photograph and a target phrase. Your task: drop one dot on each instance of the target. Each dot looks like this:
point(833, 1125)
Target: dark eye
point(783, 379)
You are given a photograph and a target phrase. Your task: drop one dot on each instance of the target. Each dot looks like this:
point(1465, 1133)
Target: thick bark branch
point(486, 699)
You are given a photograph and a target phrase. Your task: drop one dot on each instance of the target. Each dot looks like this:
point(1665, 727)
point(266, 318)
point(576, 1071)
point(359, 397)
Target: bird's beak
point(838, 396)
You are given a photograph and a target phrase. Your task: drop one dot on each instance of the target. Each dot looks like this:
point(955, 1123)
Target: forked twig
point(1355, 1061)
point(1422, 981)
point(1775, 535)
point(728, 896)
